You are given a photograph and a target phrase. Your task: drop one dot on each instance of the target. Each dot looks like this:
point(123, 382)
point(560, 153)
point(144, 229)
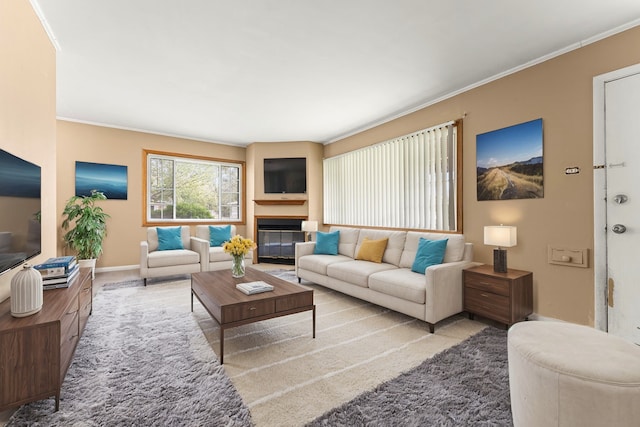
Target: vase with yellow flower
point(238, 247)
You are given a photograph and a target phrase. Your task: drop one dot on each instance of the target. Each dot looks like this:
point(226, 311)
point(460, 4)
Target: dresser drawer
point(495, 285)
point(487, 304)
point(68, 342)
point(85, 301)
point(69, 321)
point(247, 310)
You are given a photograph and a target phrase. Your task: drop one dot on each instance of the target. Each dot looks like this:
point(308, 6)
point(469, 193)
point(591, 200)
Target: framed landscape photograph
point(109, 179)
point(509, 162)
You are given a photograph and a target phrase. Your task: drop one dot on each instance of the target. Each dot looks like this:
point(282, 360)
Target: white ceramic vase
point(26, 292)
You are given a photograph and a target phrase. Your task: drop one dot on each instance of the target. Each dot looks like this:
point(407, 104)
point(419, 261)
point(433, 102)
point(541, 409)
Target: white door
point(622, 168)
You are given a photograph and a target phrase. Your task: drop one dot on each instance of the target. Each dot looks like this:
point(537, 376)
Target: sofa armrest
point(144, 255)
point(444, 290)
point(302, 249)
point(202, 247)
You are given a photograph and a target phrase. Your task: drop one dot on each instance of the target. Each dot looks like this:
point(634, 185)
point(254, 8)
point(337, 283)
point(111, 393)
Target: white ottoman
point(562, 374)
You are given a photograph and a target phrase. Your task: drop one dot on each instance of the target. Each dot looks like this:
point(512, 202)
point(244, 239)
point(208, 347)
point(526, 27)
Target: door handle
point(618, 228)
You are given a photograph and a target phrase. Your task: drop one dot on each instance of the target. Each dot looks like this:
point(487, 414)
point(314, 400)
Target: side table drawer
point(247, 310)
point(491, 284)
point(487, 304)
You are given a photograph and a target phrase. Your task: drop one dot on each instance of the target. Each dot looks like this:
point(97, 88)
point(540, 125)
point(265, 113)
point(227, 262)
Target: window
point(410, 182)
point(191, 189)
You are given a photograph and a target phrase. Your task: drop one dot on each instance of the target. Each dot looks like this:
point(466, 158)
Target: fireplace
point(277, 238)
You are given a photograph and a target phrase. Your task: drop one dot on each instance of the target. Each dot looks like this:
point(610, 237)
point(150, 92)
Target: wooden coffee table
point(217, 292)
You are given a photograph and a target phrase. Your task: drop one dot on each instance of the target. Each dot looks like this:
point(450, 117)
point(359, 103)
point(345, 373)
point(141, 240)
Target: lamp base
point(500, 260)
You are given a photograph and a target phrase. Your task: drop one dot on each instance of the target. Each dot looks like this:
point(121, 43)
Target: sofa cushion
point(453, 253)
point(401, 283)
point(356, 272)
point(218, 234)
point(372, 250)
point(318, 263)
point(172, 257)
point(152, 237)
point(169, 238)
point(348, 240)
point(430, 252)
point(327, 243)
point(395, 245)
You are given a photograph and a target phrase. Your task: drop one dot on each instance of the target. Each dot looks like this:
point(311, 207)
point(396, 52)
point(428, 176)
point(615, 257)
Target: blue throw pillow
point(327, 243)
point(430, 252)
point(219, 234)
point(169, 238)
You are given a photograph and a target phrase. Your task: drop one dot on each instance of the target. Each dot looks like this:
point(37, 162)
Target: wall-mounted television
point(20, 229)
point(285, 175)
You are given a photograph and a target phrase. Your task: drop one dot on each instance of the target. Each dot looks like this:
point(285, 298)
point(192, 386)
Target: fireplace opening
point(277, 238)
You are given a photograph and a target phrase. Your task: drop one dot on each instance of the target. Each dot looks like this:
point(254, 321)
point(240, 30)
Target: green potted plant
point(87, 226)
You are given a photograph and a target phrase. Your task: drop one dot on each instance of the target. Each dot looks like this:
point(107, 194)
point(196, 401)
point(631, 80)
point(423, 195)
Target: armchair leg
point(432, 327)
point(145, 281)
point(299, 280)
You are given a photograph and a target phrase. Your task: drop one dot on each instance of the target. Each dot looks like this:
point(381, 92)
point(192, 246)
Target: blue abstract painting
point(108, 179)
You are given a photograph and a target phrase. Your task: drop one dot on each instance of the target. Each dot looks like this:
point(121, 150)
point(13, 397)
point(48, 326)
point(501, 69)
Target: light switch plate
point(567, 256)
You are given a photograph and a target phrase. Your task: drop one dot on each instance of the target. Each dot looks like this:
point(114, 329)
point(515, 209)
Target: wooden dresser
point(36, 351)
point(504, 297)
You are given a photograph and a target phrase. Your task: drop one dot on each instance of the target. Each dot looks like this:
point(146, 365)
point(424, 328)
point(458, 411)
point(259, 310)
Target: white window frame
point(149, 221)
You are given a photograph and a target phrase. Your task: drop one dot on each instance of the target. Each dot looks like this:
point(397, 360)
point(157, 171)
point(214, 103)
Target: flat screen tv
point(19, 211)
point(285, 175)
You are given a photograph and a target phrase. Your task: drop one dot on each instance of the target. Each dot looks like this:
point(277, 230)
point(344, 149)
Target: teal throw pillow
point(169, 238)
point(327, 243)
point(219, 234)
point(430, 252)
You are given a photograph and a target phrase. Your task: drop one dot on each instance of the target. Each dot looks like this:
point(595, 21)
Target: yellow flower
point(238, 245)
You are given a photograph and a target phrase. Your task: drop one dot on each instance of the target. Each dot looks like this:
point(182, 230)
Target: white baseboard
point(536, 316)
point(118, 268)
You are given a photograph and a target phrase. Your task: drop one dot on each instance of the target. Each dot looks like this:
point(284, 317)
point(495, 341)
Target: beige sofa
point(157, 263)
point(430, 297)
point(214, 258)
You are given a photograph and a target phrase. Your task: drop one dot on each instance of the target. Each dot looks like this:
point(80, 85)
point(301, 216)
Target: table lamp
point(502, 236)
point(309, 227)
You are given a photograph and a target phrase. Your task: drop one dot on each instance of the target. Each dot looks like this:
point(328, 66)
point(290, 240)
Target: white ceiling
point(291, 70)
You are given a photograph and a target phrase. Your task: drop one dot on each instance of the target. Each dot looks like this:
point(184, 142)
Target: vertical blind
point(406, 182)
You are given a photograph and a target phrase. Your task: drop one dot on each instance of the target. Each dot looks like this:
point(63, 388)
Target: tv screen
point(19, 211)
point(285, 175)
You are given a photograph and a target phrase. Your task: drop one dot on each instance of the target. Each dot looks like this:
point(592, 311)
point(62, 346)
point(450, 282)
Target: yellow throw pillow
point(372, 250)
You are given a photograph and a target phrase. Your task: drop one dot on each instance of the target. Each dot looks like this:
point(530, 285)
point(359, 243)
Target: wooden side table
point(504, 297)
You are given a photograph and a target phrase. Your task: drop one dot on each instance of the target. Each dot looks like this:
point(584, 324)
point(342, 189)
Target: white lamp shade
point(309, 226)
point(504, 236)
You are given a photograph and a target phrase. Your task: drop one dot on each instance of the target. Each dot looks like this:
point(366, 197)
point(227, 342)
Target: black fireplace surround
point(277, 238)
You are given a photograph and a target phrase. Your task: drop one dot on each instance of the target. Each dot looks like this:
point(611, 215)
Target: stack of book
point(251, 288)
point(58, 272)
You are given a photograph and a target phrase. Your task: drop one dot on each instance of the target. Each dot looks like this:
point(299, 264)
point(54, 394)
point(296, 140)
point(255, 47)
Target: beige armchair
point(155, 262)
point(214, 257)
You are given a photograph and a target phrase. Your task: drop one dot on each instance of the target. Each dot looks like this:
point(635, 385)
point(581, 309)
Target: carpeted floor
point(466, 385)
point(142, 361)
point(145, 359)
point(287, 378)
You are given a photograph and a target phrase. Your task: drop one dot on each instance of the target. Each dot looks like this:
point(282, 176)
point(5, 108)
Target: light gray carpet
point(466, 385)
point(142, 361)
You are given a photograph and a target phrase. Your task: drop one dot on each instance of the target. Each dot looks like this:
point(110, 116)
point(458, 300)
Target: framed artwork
point(509, 162)
point(109, 179)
